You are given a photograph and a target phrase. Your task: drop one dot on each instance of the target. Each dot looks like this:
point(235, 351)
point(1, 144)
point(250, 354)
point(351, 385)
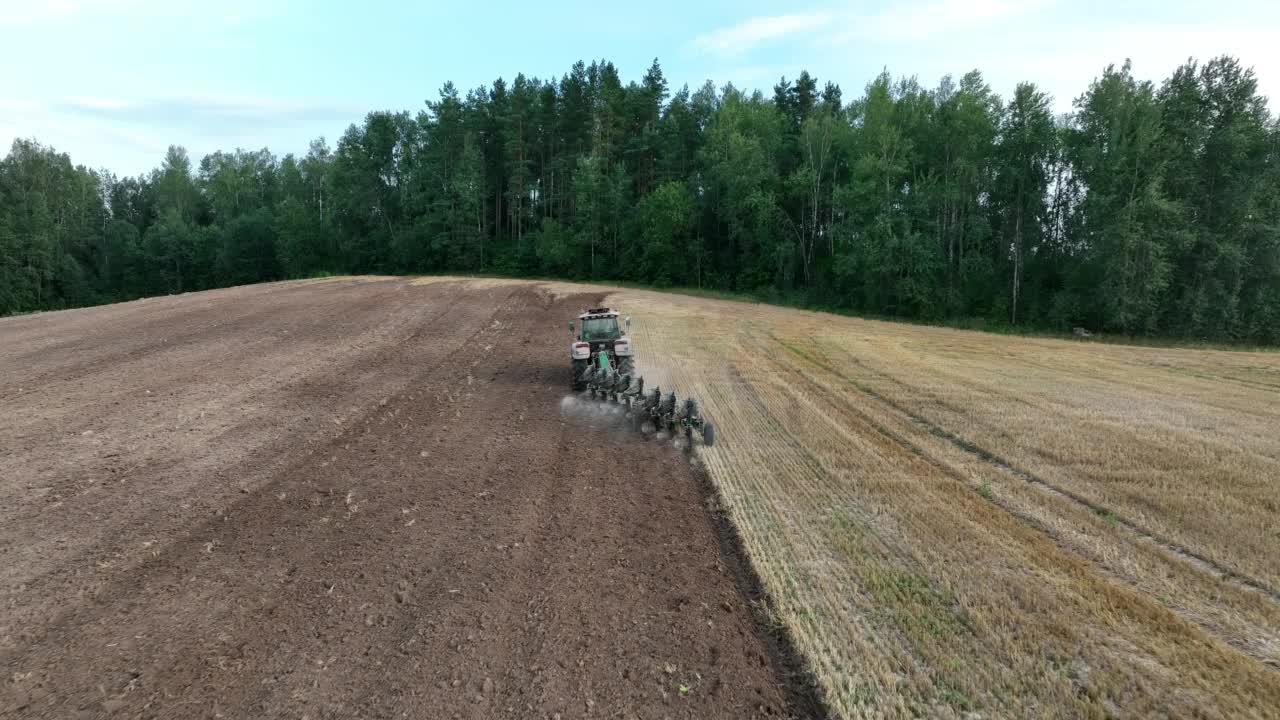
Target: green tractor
point(599, 332)
point(604, 369)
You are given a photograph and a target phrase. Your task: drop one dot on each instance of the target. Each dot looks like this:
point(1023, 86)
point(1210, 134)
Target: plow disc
point(665, 412)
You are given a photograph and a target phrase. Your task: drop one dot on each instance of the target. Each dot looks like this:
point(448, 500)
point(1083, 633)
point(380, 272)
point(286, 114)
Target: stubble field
point(957, 524)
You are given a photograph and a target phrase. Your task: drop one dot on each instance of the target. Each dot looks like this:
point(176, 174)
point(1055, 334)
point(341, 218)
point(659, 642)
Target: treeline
point(1147, 210)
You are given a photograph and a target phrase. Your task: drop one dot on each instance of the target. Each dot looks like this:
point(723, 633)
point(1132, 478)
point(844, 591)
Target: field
point(359, 497)
point(347, 499)
point(952, 522)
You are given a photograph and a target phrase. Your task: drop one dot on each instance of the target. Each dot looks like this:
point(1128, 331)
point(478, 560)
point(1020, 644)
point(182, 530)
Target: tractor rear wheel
point(579, 367)
point(708, 434)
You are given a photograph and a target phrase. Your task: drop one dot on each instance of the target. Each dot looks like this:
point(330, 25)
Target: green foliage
point(1146, 212)
point(553, 247)
point(1021, 184)
point(168, 255)
point(1131, 225)
point(663, 220)
point(248, 250)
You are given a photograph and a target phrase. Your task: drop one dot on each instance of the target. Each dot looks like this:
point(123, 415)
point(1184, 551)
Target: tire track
point(1183, 553)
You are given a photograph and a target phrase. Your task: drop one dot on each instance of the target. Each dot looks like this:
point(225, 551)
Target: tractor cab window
point(600, 328)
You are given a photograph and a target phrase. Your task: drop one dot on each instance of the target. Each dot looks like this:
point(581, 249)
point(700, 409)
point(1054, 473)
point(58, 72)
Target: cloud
point(917, 21)
point(747, 35)
point(835, 26)
point(32, 12)
point(16, 105)
point(19, 13)
point(128, 136)
point(1065, 68)
point(1059, 46)
point(25, 12)
point(98, 103)
point(88, 141)
point(214, 116)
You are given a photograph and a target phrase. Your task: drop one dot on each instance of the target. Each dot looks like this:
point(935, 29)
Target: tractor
point(599, 331)
point(603, 368)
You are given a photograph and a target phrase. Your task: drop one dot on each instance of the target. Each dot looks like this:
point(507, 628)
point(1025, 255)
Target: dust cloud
point(600, 415)
point(595, 414)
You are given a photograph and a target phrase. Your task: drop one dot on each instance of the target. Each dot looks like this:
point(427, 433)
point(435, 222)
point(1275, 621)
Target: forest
point(1147, 210)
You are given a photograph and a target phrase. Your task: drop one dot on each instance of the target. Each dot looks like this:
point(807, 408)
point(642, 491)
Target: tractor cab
point(598, 325)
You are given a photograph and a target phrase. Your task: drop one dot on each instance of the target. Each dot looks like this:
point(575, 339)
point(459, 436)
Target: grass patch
point(955, 698)
point(919, 606)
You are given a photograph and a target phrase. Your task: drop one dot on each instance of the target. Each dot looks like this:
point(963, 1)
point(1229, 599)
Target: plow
point(604, 371)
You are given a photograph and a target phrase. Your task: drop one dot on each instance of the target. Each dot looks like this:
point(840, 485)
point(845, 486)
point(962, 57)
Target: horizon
point(270, 75)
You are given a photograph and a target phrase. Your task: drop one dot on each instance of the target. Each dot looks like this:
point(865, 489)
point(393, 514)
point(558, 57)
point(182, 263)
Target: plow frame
point(666, 412)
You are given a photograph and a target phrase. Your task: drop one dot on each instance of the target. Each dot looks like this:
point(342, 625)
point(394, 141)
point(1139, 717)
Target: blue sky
point(113, 82)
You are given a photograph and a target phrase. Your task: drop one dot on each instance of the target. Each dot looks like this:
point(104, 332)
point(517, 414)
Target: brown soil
point(347, 499)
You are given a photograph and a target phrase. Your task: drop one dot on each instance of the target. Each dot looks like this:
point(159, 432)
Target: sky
point(115, 82)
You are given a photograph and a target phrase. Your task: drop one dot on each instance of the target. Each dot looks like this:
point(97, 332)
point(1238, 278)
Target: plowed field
point(348, 498)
